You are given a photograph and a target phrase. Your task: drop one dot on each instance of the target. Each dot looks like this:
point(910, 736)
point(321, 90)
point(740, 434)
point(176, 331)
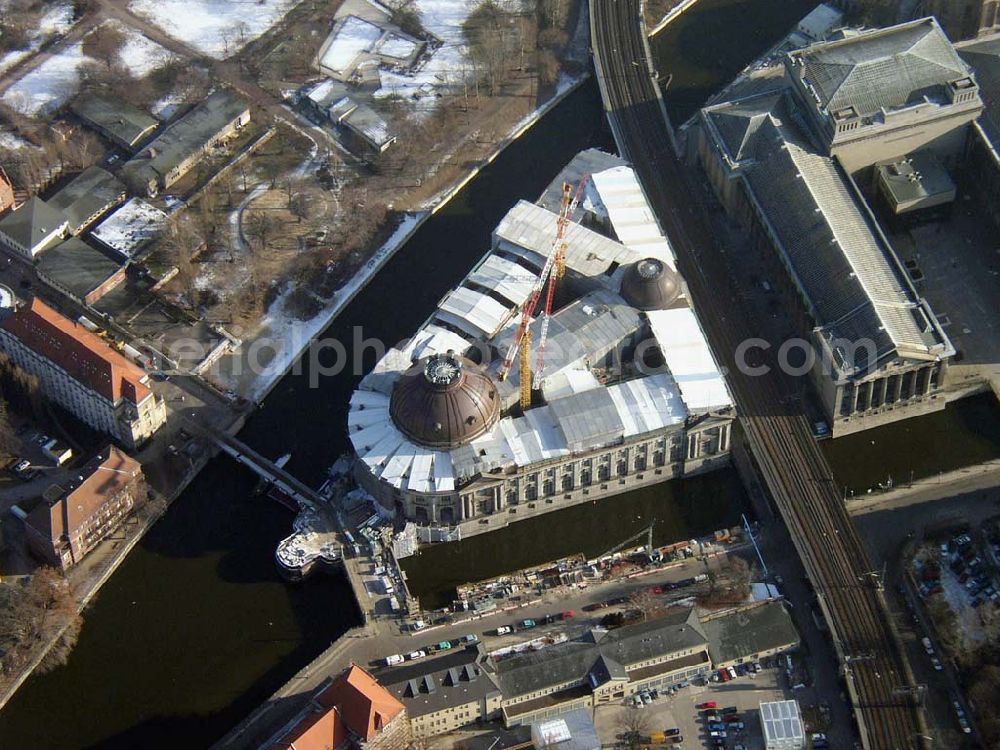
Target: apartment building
point(82, 373)
point(73, 518)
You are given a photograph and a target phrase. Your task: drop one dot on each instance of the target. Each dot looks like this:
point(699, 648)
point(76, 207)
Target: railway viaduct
point(880, 684)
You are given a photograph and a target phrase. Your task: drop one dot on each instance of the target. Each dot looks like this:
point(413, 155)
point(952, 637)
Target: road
point(369, 645)
point(879, 680)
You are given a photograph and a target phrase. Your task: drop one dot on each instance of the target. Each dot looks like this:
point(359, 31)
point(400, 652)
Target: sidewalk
point(959, 481)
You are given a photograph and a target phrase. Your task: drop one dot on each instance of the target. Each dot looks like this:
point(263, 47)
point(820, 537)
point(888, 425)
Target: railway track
point(878, 678)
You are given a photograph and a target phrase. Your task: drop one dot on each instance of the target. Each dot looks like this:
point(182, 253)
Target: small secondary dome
point(649, 284)
point(444, 401)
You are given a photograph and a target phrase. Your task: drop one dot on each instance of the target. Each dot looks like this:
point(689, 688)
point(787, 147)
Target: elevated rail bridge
point(880, 685)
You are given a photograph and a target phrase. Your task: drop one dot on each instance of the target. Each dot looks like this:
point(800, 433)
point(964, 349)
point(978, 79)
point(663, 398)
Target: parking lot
point(680, 711)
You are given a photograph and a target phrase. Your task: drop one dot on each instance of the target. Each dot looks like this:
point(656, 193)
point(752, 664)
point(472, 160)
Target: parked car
point(729, 710)
point(707, 704)
point(672, 732)
point(732, 673)
point(414, 655)
point(393, 659)
point(470, 638)
point(503, 630)
point(526, 624)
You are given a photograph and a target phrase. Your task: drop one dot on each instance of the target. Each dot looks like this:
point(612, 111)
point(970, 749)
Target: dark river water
point(196, 628)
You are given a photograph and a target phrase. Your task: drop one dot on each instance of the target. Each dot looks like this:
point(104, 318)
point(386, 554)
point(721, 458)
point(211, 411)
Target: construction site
point(567, 366)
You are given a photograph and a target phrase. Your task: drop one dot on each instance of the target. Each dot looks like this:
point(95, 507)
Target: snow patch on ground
point(448, 65)
point(49, 86)
point(57, 20)
point(14, 142)
point(140, 54)
point(218, 28)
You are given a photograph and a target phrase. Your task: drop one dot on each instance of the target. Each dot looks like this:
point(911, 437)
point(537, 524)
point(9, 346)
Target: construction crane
point(646, 532)
point(558, 271)
point(556, 259)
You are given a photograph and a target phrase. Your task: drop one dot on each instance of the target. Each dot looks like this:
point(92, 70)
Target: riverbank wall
point(926, 489)
point(670, 16)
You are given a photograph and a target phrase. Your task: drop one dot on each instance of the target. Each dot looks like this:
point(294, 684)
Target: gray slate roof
point(984, 57)
point(429, 685)
point(93, 191)
point(841, 264)
point(76, 267)
point(574, 660)
point(886, 68)
point(32, 222)
point(127, 124)
point(749, 631)
point(188, 135)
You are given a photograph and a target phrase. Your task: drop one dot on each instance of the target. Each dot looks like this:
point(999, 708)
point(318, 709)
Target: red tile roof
point(84, 355)
point(365, 706)
point(102, 478)
point(319, 730)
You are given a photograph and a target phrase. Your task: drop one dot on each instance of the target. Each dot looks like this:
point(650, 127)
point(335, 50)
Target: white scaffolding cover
point(689, 359)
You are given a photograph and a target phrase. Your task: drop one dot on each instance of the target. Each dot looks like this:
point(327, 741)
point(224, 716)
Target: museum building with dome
point(626, 394)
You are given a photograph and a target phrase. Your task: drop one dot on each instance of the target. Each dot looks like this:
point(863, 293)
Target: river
point(196, 628)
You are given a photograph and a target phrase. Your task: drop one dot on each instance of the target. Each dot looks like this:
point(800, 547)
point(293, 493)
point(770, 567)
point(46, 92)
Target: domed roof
point(444, 401)
point(649, 284)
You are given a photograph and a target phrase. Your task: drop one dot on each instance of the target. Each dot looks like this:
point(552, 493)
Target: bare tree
point(491, 32)
point(184, 239)
point(32, 613)
point(104, 44)
point(9, 443)
point(260, 226)
point(634, 724)
point(643, 600)
point(300, 205)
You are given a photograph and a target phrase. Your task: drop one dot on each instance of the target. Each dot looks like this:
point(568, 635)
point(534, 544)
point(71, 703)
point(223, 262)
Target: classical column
point(879, 388)
point(854, 398)
point(927, 382)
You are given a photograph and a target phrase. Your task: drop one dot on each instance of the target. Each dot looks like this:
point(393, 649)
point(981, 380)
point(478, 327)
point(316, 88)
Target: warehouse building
point(182, 144)
point(81, 272)
point(628, 393)
point(117, 120)
point(32, 228)
point(87, 197)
